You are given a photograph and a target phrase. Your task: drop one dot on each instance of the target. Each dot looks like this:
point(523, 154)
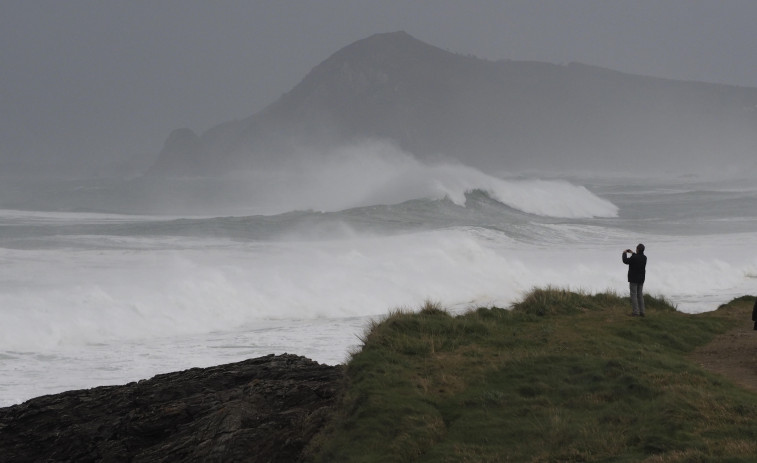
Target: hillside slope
point(505, 114)
point(561, 377)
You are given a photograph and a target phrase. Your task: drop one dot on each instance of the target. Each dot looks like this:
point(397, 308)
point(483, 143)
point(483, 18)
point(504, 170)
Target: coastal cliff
point(264, 409)
point(560, 376)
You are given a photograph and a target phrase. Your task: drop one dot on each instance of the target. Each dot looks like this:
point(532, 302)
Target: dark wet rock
point(259, 410)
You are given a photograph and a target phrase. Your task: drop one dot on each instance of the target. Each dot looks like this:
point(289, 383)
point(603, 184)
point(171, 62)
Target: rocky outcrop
point(260, 410)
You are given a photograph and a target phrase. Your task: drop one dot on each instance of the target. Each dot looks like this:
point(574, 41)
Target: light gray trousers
point(637, 298)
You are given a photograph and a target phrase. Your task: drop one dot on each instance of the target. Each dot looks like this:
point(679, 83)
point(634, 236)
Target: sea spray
point(373, 173)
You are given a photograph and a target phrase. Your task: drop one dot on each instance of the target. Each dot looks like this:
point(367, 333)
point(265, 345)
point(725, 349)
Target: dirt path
point(733, 354)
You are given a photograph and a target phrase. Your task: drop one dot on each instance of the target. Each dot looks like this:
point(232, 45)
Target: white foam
point(74, 297)
point(378, 173)
point(80, 316)
point(125, 315)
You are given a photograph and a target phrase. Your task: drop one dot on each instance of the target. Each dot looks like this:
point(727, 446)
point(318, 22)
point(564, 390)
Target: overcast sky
point(108, 79)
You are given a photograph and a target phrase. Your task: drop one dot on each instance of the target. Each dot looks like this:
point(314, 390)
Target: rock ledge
point(263, 409)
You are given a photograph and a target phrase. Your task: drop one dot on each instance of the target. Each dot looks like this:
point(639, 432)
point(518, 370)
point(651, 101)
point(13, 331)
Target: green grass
point(560, 376)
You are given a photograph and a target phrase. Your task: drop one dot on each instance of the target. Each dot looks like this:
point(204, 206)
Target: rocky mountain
point(505, 114)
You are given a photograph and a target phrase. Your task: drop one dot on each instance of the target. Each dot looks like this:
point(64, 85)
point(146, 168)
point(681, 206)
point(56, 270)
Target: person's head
point(640, 249)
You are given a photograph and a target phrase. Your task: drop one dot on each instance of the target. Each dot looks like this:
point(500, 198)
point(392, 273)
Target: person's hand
point(628, 250)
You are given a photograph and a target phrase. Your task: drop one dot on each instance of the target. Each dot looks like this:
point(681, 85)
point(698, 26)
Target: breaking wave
point(376, 173)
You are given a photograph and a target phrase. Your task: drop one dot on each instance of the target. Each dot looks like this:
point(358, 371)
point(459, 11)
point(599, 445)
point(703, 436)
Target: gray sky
point(89, 81)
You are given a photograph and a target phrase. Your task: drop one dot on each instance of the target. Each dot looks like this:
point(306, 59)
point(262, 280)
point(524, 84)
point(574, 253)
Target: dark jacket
point(754, 313)
point(637, 265)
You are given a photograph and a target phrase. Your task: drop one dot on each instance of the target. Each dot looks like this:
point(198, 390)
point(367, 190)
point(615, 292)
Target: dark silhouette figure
point(637, 264)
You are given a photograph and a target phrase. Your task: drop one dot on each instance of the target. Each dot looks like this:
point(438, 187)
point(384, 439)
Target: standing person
point(754, 314)
point(637, 264)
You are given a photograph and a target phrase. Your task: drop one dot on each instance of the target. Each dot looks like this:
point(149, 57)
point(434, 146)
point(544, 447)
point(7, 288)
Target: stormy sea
point(298, 260)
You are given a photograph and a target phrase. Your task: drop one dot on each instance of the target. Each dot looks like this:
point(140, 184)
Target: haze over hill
point(507, 115)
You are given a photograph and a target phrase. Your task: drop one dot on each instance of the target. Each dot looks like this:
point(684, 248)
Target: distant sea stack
point(508, 115)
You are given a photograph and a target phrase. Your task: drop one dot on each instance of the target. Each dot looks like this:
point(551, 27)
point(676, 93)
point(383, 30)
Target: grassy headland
point(560, 376)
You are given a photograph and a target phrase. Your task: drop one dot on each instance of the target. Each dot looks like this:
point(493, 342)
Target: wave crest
point(378, 173)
